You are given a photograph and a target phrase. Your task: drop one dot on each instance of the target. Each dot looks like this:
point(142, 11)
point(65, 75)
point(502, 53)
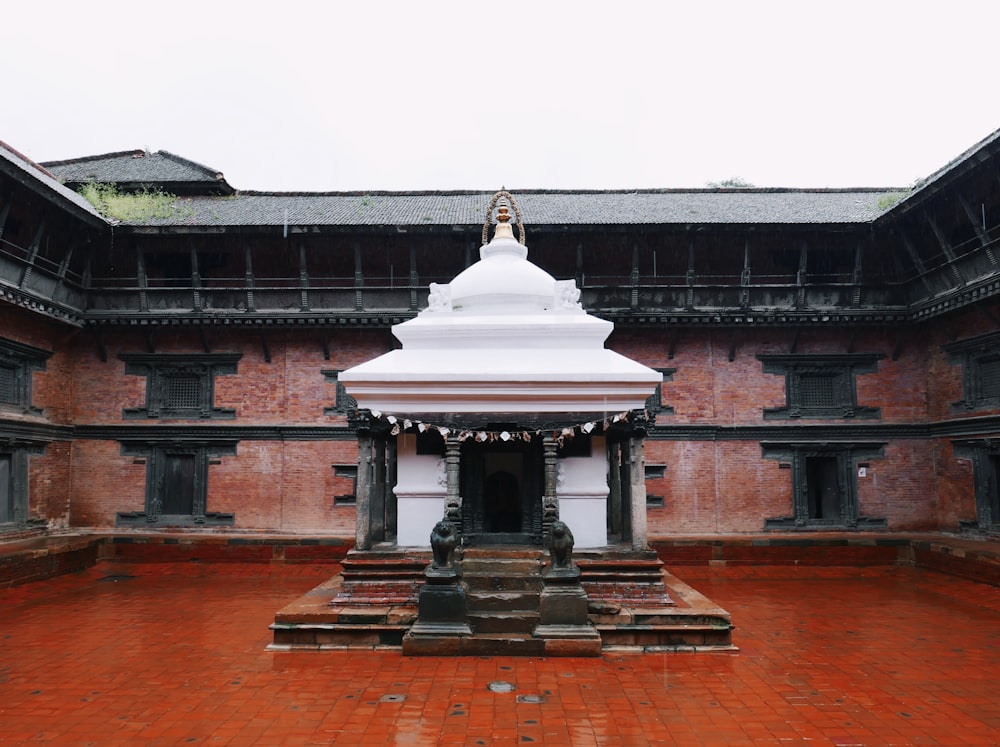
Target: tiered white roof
point(503, 337)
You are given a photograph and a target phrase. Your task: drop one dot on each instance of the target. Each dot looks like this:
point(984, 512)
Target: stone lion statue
point(561, 545)
point(444, 540)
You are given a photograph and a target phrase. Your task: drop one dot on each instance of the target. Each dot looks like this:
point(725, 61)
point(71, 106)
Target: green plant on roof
point(131, 207)
point(885, 201)
point(733, 182)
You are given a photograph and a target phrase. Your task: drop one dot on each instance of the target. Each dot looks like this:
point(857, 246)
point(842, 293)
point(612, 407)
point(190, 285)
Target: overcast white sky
point(544, 94)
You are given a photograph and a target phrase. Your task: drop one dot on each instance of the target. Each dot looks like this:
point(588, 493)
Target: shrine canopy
point(504, 337)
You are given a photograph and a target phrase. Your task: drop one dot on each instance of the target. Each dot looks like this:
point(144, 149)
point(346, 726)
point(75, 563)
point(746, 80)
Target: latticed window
point(17, 363)
point(989, 374)
point(980, 361)
point(179, 386)
point(818, 391)
point(182, 392)
point(820, 386)
point(8, 385)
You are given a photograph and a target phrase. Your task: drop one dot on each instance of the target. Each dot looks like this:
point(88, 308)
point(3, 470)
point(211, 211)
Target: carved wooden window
point(654, 403)
point(985, 456)
point(980, 361)
point(14, 494)
point(177, 484)
point(820, 386)
point(343, 402)
point(824, 485)
point(17, 363)
point(180, 386)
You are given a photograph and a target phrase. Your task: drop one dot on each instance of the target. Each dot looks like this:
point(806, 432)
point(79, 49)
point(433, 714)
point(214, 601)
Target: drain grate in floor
point(116, 578)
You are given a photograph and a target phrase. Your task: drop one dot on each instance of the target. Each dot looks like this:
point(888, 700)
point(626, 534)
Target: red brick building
point(831, 358)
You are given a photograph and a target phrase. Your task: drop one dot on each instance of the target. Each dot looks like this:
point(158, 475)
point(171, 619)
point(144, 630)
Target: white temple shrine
point(502, 411)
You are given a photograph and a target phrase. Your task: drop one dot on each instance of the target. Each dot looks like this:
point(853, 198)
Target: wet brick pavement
point(172, 654)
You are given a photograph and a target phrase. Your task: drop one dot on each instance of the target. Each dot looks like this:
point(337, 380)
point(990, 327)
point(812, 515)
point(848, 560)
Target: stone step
point(505, 567)
point(476, 582)
point(521, 621)
point(501, 601)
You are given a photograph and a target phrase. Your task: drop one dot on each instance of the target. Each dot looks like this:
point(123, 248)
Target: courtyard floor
point(174, 654)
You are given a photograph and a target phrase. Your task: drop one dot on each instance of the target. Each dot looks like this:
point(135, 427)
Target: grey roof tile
point(136, 167)
point(44, 181)
point(645, 207)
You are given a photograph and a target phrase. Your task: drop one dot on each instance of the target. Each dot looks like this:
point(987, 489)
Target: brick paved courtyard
point(173, 654)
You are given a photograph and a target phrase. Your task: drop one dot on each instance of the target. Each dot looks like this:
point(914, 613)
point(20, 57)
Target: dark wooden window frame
point(982, 453)
point(837, 371)
point(17, 363)
point(654, 403)
point(18, 512)
point(156, 456)
point(848, 455)
point(343, 403)
point(973, 355)
point(165, 370)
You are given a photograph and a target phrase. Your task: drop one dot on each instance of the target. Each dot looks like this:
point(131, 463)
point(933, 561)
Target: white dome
point(503, 278)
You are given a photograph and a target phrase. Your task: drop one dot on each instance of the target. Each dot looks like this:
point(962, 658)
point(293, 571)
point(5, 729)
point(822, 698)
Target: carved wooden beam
point(745, 275)
point(359, 279)
point(802, 276)
point(204, 339)
point(690, 277)
point(326, 345)
point(980, 228)
point(795, 341)
point(303, 278)
point(674, 334)
point(856, 277)
point(195, 280)
point(634, 276)
point(414, 278)
point(36, 242)
point(147, 333)
point(917, 262)
point(250, 280)
point(949, 253)
point(140, 260)
point(265, 346)
point(733, 344)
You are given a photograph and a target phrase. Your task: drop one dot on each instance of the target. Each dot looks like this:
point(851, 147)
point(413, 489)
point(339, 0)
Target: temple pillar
point(637, 491)
point(362, 494)
point(550, 499)
point(453, 497)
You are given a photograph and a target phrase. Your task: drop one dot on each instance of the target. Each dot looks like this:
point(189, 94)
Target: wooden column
point(453, 497)
point(550, 500)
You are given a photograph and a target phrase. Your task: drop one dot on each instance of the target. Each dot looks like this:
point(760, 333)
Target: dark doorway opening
point(178, 484)
point(6, 489)
point(501, 490)
point(992, 503)
point(824, 495)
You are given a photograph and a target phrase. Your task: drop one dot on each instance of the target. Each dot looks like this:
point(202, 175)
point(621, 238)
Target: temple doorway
point(501, 489)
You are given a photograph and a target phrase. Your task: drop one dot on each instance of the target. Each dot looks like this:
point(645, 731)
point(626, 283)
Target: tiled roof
point(138, 167)
point(43, 181)
point(645, 207)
